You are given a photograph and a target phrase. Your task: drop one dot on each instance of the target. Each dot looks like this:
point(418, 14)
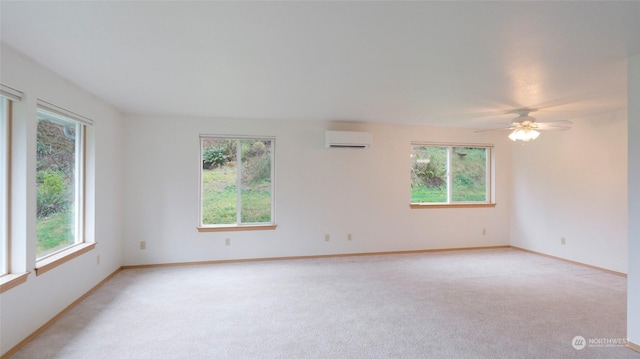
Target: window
point(5, 111)
point(450, 175)
point(11, 274)
point(236, 183)
point(59, 180)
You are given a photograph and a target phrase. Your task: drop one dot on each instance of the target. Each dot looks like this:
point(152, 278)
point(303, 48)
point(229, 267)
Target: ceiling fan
point(526, 128)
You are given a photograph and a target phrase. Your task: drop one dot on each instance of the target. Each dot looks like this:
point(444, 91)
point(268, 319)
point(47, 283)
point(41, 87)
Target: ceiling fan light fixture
point(523, 134)
point(525, 128)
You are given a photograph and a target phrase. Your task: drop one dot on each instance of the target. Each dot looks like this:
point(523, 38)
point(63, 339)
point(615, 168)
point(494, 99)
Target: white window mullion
point(488, 176)
point(79, 184)
point(273, 187)
point(200, 186)
point(238, 182)
point(4, 184)
point(449, 175)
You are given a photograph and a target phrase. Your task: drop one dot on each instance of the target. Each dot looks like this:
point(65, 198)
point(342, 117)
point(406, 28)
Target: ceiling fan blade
point(558, 122)
point(547, 127)
point(494, 129)
point(474, 115)
point(589, 98)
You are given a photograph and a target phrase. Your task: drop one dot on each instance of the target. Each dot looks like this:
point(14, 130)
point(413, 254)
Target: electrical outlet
point(484, 231)
point(348, 236)
point(143, 244)
point(227, 241)
point(327, 238)
point(98, 259)
point(563, 241)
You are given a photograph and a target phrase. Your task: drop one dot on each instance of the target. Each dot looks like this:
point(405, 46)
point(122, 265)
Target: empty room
point(320, 179)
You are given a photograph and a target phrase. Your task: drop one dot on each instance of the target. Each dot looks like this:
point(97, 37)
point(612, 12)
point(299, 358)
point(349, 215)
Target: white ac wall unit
point(348, 139)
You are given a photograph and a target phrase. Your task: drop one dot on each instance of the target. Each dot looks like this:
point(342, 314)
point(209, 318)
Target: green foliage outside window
point(214, 156)
point(52, 194)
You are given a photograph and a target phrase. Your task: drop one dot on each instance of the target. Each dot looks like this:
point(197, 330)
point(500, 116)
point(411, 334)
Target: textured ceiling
point(437, 63)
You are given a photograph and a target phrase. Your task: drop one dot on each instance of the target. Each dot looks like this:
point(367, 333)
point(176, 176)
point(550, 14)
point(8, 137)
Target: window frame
point(490, 177)
point(5, 184)
point(11, 278)
point(238, 225)
point(81, 245)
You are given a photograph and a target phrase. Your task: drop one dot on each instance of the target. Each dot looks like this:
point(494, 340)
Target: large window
point(5, 108)
point(450, 175)
point(236, 183)
point(59, 178)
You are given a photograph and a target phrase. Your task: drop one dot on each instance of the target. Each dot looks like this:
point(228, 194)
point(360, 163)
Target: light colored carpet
point(498, 303)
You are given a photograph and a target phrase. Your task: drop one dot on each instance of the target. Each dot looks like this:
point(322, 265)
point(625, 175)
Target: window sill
point(47, 264)
point(452, 205)
point(266, 227)
point(12, 280)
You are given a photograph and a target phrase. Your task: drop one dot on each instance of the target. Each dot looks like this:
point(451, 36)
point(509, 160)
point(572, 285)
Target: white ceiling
point(437, 63)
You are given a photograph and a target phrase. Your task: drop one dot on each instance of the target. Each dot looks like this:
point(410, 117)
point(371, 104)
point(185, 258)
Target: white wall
point(633, 279)
point(26, 307)
point(318, 191)
point(573, 184)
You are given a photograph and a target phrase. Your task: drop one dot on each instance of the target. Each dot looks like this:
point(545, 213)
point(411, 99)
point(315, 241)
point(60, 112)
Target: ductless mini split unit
point(348, 139)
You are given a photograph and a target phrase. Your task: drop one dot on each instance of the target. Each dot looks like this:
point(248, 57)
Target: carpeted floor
point(497, 303)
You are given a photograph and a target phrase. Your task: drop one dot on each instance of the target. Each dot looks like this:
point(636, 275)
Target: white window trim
point(5, 180)
point(49, 107)
point(10, 93)
point(10, 279)
point(490, 171)
point(238, 226)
